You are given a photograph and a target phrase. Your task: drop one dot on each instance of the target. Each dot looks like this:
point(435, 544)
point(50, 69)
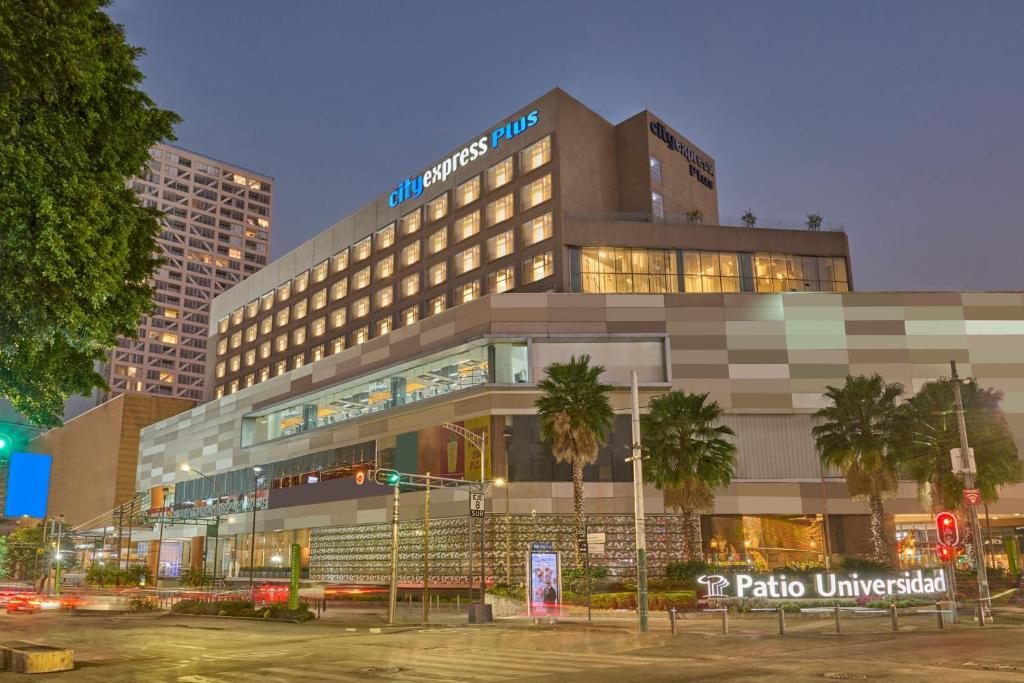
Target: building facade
point(432, 312)
point(215, 233)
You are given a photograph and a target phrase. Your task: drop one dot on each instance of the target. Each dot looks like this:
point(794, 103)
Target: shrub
point(655, 601)
point(575, 578)
point(143, 604)
point(689, 570)
point(854, 564)
point(242, 608)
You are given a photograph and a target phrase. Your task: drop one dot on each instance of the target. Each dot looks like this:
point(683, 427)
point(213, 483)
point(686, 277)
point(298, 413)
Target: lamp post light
point(252, 539)
point(503, 484)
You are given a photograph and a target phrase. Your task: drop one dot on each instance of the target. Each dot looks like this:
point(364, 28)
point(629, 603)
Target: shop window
point(711, 271)
point(628, 271)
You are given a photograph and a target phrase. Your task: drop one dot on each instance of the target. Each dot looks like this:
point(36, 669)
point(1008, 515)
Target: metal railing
point(731, 221)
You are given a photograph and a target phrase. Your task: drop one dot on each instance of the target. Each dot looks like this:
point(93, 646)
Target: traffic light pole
point(393, 594)
point(972, 511)
point(638, 510)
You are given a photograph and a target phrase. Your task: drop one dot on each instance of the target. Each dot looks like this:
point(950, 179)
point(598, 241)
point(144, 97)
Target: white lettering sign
point(823, 585)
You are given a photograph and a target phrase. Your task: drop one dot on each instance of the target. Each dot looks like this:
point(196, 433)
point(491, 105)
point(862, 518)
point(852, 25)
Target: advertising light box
point(28, 485)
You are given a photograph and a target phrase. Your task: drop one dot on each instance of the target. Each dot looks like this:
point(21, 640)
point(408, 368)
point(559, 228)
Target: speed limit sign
point(476, 504)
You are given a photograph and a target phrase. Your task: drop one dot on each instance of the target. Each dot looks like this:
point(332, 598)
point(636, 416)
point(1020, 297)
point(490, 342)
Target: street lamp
point(252, 539)
point(501, 483)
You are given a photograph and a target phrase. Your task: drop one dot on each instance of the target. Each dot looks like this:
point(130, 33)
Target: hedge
point(242, 608)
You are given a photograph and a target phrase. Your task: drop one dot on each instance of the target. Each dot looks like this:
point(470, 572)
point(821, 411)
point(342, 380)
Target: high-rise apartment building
point(215, 233)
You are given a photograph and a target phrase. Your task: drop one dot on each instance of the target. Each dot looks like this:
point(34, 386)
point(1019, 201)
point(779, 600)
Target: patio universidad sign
point(823, 585)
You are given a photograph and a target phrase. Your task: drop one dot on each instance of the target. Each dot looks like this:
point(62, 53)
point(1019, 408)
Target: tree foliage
point(930, 430)
point(575, 418)
point(76, 248)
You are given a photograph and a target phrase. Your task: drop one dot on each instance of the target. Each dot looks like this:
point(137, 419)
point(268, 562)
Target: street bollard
point(836, 610)
point(725, 621)
point(981, 615)
point(672, 619)
point(895, 615)
point(939, 615)
point(458, 603)
point(782, 621)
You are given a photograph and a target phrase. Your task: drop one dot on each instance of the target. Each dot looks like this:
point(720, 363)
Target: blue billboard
point(28, 485)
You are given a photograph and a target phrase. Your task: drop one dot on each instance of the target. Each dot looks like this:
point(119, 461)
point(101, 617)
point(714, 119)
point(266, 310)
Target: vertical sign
point(544, 582)
point(296, 574)
point(476, 504)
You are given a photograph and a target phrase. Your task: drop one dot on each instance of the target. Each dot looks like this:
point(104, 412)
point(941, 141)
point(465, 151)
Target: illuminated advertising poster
point(28, 485)
point(545, 583)
point(443, 452)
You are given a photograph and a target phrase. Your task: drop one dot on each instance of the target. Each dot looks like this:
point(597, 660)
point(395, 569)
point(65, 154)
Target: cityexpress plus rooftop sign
point(823, 585)
point(413, 187)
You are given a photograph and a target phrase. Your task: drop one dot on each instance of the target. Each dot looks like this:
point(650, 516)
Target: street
point(356, 648)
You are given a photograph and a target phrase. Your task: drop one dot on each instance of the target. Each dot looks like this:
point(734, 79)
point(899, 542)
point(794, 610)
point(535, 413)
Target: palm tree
point(687, 456)
point(931, 430)
point(857, 436)
point(575, 418)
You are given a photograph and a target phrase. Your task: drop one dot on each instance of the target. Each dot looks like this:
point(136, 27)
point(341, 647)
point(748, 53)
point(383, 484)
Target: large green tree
point(688, 454)
point(931, 430)
point(76, 248)
point(857, 434)
point(575, 418)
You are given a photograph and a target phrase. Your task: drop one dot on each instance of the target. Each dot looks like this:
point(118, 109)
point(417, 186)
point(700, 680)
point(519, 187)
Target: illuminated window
point(411, 254)
point(266, 325)
point(264, 374)
point(267, 301)
point(298, 360)
point(360, 307)
point(537, 267)
point(284, 291)
point(318, 327)
point(250, 379)
point(236, 339)
point(299, 336)
point(467, 226)
point(655, 170)
point(410, 222)
point(170, 312)
point(280, 367)
point(536, 155)
point(499, 210)
point(339, 289)
point(338, 318)
point(264, 350)
point(222, 346)
point(319, 299)
point(385, 237)
point(236, 316)
point(437, 304)
point(222, 325)
point(410, 315)
point(235, 363)
point(252, 308)
point(166, 376)
point(711, 271)
point(299, 309)
point(466, 292)
point(409, 285)
point(537, 192)
point(382, 326)
point(791, 273)
point(361, 335)
point(250, 333)
point(627, 271)
point(301, 282)
point(219, 392)
point(537, 230)
point(501, 280)
point(361, 279)
point(657, 205)
point(317, 352)
point(500, 174)
point(320, 271)
point(280, 342)
point(438, 241)
point(337, 345)
point(437, 208)
point(339, 261)
point(233, 387)
point(437, 274)
point(385, 267)
point(250, 358)
point(384, 297)
point(468, 192)
point(361, 250)
point(220, 369)
point(500, 245)
point(467, 260)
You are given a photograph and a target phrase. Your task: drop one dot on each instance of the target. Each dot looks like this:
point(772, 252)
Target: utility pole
point(972, 511)
point(426, 553)
point(393, 594)
point(483, 520)
point(58, 556)
point(824, 518)
point(252, 538)
point(638, 510)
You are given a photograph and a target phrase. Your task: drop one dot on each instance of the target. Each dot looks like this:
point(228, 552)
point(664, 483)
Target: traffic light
point(360, 477)
point(388, 477)
point(949, 529)
point(945, 552)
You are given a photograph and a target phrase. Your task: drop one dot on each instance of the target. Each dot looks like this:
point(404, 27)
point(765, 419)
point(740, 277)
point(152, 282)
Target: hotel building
point(434, 309)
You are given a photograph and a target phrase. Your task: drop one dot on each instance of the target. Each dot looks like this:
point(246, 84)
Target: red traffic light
point(949, 528)
point(945, 552)
point(360, 477)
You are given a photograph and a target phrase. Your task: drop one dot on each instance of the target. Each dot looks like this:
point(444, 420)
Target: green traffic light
point(394, 478)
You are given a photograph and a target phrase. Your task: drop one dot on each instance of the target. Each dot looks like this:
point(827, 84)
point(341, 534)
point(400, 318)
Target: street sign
point(972, 497)
point(595, 542)
point(960, 464)
point(542, 545)
point(595, 537)
point(476, 504)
